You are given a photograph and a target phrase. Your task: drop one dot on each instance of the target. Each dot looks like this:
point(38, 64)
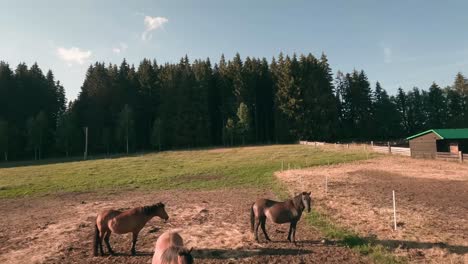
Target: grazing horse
point(169, 249)
point(289, 211)
point(132, 220)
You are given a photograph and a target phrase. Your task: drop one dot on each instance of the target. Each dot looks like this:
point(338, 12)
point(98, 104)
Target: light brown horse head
point(177, 255)
point(306, 200)
point(156, 210)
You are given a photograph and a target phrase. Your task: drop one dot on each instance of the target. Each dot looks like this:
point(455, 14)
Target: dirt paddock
point(59, 229)
point(431, 201)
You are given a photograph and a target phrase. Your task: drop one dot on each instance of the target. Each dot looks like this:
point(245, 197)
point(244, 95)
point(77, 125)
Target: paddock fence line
point(448, 156)
point(389, 149)
point(386, 149)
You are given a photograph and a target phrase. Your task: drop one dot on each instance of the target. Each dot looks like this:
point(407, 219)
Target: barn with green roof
point(426, 144)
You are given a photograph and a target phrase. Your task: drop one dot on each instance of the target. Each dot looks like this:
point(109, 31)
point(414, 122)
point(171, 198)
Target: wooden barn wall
point(424, 146)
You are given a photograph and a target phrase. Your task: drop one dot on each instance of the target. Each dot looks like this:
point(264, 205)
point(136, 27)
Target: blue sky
point(399, 43)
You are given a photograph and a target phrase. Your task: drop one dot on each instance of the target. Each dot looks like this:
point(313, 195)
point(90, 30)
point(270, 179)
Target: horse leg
point(257, 225)
point(262, 222)
point(290, 231)
point(134, 240)
point(293, 225)
point(101, 237)
point(106, 239)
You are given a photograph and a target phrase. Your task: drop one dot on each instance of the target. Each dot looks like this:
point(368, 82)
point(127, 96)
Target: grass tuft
point(364, 246)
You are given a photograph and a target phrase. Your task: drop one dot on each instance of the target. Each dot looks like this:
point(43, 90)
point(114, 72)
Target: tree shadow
point(406, 244)
point(100, 156)
point(245, 253)
point(50, 161)
point(356, 241)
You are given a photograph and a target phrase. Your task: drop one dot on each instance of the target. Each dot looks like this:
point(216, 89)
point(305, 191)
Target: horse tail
point(96, 240)
point(252, 217)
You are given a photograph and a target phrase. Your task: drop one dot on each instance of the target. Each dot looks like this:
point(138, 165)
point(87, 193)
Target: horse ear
point(190, 250)
point(309, 193)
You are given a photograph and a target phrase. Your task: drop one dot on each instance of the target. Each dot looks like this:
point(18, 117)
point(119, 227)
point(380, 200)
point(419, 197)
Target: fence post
point(389, 148)
point(394, 212)
point(460, 156)
point(372, 143)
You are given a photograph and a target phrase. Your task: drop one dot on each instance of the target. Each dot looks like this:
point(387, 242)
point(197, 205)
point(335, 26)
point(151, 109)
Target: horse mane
point(171, 254)
point(150, 209)
point(297, 201)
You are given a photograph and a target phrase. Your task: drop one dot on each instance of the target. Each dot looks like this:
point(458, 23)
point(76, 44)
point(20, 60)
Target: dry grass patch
point(432, 211)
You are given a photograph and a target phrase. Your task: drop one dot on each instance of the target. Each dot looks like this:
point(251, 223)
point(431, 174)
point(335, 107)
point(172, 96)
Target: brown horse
point(289, 211)
point(132, 220)
point(169, 249)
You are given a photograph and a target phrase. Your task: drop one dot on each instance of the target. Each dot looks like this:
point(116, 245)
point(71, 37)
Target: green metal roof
point(455, 133)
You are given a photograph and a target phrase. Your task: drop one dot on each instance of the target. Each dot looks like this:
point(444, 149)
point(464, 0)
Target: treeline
point(198, 104)
point(31, 104)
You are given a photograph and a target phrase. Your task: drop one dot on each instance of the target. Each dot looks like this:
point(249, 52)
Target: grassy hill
point(197, 169)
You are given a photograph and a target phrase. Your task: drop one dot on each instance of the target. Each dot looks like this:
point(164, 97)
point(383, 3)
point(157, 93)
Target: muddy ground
point(431, 202)
point(59, 229)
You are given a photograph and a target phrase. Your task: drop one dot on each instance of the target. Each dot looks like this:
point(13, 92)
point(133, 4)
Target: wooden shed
point(426, 144)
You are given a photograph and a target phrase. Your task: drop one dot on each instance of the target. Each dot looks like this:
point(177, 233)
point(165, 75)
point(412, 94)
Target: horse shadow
point(210, 253)
point(138, 254)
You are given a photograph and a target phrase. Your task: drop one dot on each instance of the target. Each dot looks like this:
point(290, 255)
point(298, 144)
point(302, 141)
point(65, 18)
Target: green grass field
point(197, 169)
point(251, 167)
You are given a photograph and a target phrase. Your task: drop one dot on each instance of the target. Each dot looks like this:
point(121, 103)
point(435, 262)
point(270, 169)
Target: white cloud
point(73, 55)
point(152, 23)
point(387, 54)
point(121, 48)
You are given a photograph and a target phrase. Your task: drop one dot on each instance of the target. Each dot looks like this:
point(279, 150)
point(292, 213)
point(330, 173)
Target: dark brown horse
point(129, 221)
point(289, 211)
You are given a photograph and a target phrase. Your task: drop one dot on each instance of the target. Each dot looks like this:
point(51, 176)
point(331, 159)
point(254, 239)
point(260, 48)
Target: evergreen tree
point(42, 126)
point(146, 110)
point(436, 107)
point(288, 96)
point(243, 125)
point(416, 113)
point(126, 127)
point(156, 134)
point(230, 130)
point(455, 113)
point(461, 84)
point(37, 129)
point(386, 118)
point(356, 105)
point(67, 133)
point(402, 108)
point(4, 138)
